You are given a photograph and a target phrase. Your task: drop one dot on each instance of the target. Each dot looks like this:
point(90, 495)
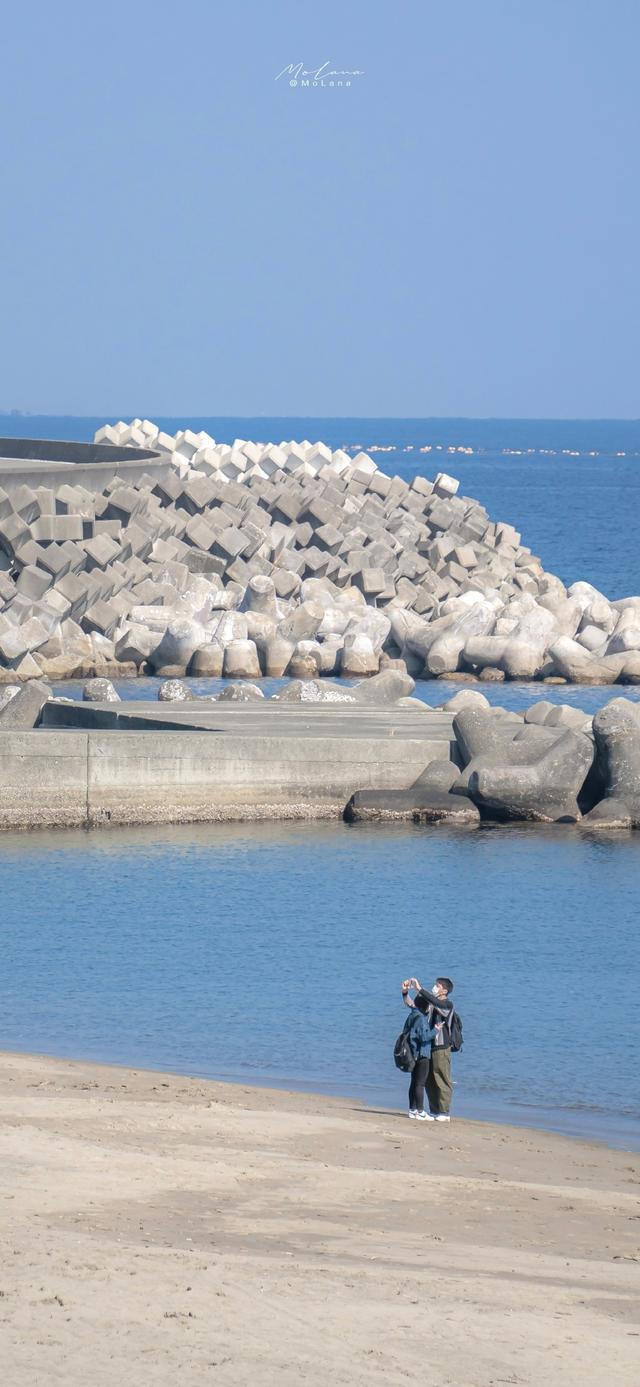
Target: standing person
point(435, 1006)
point(420, 1037)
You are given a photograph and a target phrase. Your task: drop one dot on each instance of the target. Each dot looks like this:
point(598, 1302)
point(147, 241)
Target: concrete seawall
point(249, 765)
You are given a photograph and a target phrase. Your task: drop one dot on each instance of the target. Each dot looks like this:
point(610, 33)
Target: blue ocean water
point(273, 953)
point(572, 487)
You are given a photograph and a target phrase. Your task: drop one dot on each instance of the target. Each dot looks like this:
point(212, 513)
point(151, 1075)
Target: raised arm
point(406, 987)
point(440, 1004)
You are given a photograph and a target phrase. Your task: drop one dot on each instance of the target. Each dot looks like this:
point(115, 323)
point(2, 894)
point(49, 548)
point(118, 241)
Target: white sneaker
point(441, 1117)
point(413, 1112)
point(424, 1117)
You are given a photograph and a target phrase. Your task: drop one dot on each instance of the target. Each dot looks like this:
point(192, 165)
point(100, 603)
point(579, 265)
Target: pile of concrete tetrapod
point(261, 559)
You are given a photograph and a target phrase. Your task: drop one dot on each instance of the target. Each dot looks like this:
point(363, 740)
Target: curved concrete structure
point(32, 461)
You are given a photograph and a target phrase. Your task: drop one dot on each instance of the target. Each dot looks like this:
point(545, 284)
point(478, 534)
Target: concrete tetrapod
point(480, 733)
point(617, 733)
point(530, 780)
point(24, 709)
point(385, 687)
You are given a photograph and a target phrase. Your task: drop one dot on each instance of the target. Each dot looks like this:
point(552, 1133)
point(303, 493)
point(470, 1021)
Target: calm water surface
point(274, 954)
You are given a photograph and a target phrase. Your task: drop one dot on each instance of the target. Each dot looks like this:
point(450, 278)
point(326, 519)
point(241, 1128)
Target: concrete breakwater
point(371, 752)
point(96, 764)
point(146, 553)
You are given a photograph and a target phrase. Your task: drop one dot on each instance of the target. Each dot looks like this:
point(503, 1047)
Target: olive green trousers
point(438, 1083)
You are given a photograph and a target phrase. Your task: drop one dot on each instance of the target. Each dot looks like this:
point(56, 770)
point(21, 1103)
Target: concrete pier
point(210, 763)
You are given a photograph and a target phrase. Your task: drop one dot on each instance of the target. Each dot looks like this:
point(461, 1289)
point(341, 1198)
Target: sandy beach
point(161, 1230)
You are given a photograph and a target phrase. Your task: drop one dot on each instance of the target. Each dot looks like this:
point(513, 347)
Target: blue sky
point(455, 233)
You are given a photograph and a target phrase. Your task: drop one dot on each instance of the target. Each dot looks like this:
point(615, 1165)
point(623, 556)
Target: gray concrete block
point(102, 617)
point(370, 581)
point(25, 503)
point(33, 582)
point(54, 560)
point(13, 533)
point(56, 527)
point(75, 591)
point(200, 533)
point(7, 588)
point(230, 543)
point(100, 552)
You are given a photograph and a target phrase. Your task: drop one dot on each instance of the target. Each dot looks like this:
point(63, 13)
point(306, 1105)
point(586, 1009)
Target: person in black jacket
point(436, 1007)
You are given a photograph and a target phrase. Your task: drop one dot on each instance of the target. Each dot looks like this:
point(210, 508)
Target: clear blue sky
point(456, 233)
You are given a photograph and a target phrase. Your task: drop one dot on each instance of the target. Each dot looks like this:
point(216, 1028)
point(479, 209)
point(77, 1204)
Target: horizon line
point(340, 418)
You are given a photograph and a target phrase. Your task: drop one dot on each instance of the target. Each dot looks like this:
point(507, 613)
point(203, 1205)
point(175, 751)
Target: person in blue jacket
point(420, 1037)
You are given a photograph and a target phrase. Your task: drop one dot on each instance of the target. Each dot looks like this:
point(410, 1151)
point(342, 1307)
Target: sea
point(273, 954)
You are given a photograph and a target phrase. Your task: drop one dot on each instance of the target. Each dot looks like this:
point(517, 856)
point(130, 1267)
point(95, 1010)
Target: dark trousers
point(438, 1079)
point(418, 1080)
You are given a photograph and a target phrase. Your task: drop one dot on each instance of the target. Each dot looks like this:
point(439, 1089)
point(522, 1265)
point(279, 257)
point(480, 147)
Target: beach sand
point(164, 1230)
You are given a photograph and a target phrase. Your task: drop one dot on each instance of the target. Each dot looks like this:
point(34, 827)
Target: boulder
point(173, 691)
point(100, 691)
point(534, 780)
point(23, 710)
point(313, 691)
point(240, 693)
point(616, 729)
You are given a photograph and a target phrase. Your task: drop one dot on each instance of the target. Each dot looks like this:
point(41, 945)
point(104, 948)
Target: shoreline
point(621, 1134)
point(158, 1227)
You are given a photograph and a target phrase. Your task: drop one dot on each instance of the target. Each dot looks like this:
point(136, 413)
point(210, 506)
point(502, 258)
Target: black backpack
point(402, 1056)
point(454, 1026)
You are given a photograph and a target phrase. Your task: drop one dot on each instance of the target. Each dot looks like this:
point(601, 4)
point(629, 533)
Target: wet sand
point(162, 1230)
